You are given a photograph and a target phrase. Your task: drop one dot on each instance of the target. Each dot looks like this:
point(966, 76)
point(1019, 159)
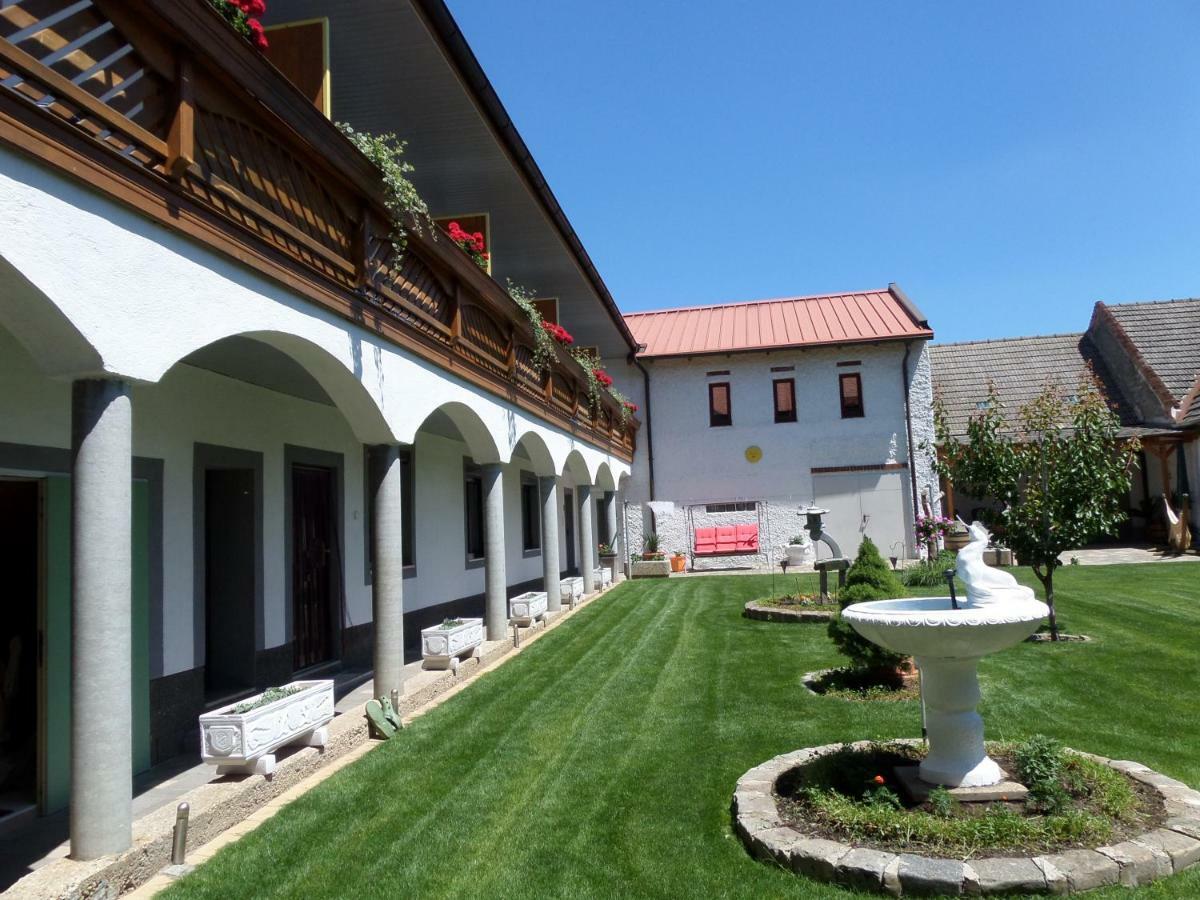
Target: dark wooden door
point(569, 523)
point(314, 613)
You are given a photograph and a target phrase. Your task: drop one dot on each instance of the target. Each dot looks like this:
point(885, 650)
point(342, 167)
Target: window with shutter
point(300, 50)
point(852, 400)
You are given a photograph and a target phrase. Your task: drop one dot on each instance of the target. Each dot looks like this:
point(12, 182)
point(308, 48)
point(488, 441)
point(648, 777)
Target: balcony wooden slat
point(22, 62)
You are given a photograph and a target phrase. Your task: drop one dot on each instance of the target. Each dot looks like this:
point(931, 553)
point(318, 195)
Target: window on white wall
point(784, 390)
point(852, 398)
point(720, 413)
point(473, 513)
point(531, 528)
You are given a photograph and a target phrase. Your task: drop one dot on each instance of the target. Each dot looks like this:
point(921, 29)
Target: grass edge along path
point(600, 763)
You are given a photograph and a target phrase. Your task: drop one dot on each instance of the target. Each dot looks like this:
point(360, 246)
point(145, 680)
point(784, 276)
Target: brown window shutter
point(548, 309)
point(300, 51)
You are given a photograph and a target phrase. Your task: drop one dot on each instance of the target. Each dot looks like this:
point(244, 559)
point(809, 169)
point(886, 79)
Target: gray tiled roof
point(1167, 335)
point(1019, 368)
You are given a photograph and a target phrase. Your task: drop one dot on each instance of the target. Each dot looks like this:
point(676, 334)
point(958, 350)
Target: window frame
point(531, 515)
point(713, 415)
point(783, 416)
point(850, 411)
point(473, 480)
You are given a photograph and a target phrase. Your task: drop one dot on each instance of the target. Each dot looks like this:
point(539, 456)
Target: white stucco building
point(759, 409)
point(240, 439)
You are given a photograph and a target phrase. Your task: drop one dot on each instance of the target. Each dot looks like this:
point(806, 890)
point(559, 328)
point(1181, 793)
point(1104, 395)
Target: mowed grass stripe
point(600, 762)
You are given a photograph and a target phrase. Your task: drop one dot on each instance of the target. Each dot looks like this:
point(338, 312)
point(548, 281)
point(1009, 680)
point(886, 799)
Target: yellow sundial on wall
point(753, 454)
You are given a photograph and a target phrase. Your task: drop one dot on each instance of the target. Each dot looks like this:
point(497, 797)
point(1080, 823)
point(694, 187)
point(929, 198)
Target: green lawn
point(600, 762)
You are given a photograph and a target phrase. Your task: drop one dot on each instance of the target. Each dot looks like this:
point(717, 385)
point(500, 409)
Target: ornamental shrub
point(869, 578)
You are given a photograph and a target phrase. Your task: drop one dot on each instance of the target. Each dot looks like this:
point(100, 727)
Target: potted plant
point(957, 536)
point(678, 561)
point(650, 547)
point(242, 737)
point(527, 608)
point(442, 646)
point(799, 550)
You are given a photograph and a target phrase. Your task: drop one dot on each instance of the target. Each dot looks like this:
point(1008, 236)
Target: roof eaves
point(925, 334)
point(460, 55)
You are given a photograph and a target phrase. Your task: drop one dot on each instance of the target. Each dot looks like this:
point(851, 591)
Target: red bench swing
point(726, 540)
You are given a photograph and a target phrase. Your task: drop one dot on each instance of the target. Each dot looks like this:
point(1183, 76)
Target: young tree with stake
point(1058, 470)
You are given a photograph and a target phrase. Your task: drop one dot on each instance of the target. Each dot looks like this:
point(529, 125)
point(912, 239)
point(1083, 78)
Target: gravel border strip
point(1139, 861)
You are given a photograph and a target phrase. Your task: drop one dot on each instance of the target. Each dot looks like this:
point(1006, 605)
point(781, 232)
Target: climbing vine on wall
point(544, 353)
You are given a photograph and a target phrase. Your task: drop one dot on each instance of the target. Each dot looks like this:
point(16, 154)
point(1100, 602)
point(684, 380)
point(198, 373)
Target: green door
point(55, 722)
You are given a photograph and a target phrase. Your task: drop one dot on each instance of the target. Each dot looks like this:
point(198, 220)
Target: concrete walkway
point(1109, 556)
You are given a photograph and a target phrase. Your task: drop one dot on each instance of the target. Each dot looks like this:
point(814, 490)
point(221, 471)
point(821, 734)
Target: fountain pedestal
point(956, 758)
point(948, 644)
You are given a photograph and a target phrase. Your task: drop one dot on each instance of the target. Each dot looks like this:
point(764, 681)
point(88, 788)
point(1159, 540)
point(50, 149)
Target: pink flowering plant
point(930, 528)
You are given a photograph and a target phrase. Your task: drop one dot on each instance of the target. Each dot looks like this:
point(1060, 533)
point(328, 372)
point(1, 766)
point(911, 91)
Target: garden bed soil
point(860, 685)
point(797, 812)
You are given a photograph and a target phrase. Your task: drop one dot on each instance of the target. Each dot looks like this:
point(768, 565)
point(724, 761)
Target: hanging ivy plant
point(625, 406)
point(386, 151)
point(544, 353)
point(591, 371)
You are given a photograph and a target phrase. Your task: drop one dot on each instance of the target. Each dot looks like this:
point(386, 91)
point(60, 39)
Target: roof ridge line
point(1001, 340)
point(764, 300)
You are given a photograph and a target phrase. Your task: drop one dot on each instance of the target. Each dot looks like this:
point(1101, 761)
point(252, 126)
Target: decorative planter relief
point(527, 608)
point(603, 576)
point(572, 589)
point(442, 647)
point(245, 743)
point(800, 554)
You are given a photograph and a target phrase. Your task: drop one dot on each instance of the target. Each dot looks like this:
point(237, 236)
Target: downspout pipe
point(912, 458)
point(647, 419)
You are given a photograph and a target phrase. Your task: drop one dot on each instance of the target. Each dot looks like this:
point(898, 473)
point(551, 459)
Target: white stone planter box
point(245, 743)
point(799, 554)
point(442, 648)
point(527, 608)
point(571, 588)
point(602, 576)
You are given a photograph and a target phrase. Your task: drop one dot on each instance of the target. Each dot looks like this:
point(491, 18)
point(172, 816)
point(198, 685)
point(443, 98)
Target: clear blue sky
point(1007, 163)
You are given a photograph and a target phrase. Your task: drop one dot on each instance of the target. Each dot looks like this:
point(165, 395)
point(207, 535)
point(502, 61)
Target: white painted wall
point(695, 463)
point(192, 405)
point(138, 298)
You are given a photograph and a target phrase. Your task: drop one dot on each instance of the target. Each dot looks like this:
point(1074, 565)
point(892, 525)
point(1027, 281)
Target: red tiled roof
point(852, 318)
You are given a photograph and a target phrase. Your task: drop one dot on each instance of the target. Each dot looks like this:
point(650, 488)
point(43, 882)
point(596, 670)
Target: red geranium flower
point(603, 377)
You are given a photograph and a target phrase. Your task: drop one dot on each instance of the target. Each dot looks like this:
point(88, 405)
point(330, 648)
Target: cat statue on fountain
point(986, 586)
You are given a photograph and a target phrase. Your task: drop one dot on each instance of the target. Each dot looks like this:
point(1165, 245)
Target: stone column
point(495, 582)
point(548, 488)
point(610, 519)
point(587, 538)
point(387, 570)
point(101, 619)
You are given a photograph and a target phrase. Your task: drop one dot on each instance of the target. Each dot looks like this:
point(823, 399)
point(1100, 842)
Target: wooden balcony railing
point(159, 104)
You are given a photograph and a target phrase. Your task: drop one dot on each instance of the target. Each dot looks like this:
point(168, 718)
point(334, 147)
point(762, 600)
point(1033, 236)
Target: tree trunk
point(1047, 581)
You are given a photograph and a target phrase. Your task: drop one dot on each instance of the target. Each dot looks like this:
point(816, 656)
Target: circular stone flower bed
point(1116, 822)
point(791, 608)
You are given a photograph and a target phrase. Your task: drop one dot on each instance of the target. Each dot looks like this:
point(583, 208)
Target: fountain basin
point(928, 626)
point(947, 644)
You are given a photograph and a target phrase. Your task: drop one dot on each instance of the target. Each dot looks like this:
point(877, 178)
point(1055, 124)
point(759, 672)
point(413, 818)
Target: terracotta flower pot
point(678, 563)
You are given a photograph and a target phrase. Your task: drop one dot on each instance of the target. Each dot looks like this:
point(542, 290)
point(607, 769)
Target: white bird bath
point(948, 644)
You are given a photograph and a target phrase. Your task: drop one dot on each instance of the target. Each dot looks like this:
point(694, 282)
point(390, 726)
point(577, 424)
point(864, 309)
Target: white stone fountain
point(948, 643)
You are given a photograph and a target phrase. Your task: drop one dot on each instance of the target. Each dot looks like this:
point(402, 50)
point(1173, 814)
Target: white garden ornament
point(527, 608)
point(245, 743)
point(948, 643)
point(444, 646)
